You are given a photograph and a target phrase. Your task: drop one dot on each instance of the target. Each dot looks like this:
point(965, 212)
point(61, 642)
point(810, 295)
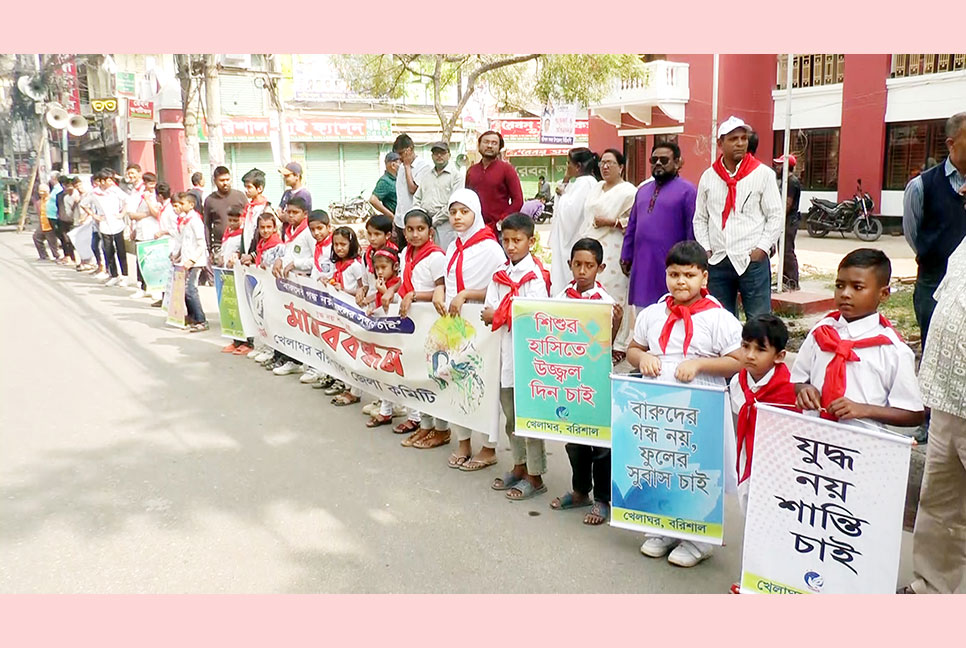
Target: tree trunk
point(190, 89)
point(216, 143)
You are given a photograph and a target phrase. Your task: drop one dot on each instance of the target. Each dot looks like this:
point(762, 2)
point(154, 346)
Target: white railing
point(662, 81)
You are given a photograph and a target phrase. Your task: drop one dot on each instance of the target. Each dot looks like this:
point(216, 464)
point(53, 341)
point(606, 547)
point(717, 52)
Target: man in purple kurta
point(662, 215)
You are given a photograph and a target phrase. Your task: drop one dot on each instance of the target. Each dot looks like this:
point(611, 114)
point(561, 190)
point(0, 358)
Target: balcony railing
point(906, 65)
point(663, 84)
point(811, 70)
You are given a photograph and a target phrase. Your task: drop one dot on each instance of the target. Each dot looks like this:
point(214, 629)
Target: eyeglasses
point(608, 163)
point(663, 160)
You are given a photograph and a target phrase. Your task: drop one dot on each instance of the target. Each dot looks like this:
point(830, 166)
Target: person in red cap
point(792, 218)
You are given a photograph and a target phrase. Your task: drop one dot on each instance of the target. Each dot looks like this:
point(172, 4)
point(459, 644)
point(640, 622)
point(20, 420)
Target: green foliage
point(583, 78)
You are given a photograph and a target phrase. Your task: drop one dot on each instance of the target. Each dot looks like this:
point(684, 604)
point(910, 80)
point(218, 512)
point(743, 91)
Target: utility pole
point(786, 148)
point(190, 90)
point(216, 143)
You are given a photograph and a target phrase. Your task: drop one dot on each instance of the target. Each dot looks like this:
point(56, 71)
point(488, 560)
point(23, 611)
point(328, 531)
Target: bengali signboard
point(667, 458)
point(140, 109)
point(304, 129)
point(825, 507)
point(528, 129)
point(446, 367)
point(558, 124)
point(228, 313)
point(561, 367)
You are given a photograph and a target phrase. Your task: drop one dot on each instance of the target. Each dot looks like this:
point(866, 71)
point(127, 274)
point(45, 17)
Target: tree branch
point(437, 103)
point(483, 69)
point(406, 63)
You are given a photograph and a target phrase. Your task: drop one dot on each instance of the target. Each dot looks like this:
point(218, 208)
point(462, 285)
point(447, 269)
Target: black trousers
point(62, 229)
point(591, 470)
point(114, 248)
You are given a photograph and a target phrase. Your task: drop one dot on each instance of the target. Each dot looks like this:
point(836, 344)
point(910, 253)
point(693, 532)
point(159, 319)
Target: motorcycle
point(853, 215)
point(546, 214)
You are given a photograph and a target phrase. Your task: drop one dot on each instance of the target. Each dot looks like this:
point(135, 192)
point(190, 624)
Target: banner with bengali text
point(155, 262)
point(561, 369)
point(447, 367)
point(825, 507)
point(667, 458)
point(228, 315)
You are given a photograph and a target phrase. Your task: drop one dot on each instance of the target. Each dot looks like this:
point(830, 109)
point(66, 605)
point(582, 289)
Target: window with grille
point(817, 153)
point(904, 65)
point(911, 148)
point(812, 69)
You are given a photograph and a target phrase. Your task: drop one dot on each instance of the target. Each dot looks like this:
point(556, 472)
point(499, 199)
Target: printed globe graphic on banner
point(453, 360)
point(814, 581)
point(253, 290)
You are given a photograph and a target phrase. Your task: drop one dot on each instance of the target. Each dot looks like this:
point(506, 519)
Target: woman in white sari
point(568, 214)
point(606, 211)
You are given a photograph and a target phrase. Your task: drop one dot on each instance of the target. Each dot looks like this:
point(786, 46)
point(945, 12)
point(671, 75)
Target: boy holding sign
point(685, 334)
point(521, 277)
point(853, 365)
point(590, 466)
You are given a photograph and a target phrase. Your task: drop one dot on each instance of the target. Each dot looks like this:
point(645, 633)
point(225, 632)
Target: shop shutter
point(322, 174)
point(240, 96)
point(256, 155)
point(362, 169)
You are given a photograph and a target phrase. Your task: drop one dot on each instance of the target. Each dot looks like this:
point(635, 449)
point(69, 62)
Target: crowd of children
point(852, 367)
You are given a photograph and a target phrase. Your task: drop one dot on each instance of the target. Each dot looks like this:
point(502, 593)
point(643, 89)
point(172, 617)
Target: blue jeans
point(725, 284)
point(191, 298)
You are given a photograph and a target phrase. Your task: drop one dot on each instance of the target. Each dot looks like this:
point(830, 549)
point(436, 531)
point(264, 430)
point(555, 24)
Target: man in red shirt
point(496, 182)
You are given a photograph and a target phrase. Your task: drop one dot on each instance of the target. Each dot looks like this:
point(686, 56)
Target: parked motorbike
point(356, 210)
point(853, 215)
point(546, 214)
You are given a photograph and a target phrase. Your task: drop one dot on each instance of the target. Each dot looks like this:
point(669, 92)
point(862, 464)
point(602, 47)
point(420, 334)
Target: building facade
point(877, 118)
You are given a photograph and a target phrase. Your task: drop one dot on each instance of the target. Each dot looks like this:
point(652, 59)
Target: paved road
point(137, 458)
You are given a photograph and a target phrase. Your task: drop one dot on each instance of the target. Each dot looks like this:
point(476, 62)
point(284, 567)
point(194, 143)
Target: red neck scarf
point(250, 208)
point(573, 293)
point(341, 266)
point(230, 233)
point(264, 245)
point(288, 235)
point(389, 284)
point(828, 339)
point(777, 391)
point(679, 312)
point(413, 258)
point(748, 164)
point(502, 314)
point(320, 249)
point(367, 258)
point(184, 218)
point(543, 271)
point(484, 234)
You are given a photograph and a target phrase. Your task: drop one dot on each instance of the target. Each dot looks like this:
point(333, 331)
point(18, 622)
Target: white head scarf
point(469, 198)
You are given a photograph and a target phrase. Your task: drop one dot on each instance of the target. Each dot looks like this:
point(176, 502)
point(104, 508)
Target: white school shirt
point(112, 203)
point(145, 228)
point(737, 395)
point(756, 221)
point(250, 225)
point(426, 271)
point(884, 375)
point(480, 262)
point(323, 271)
point(597, 289)
point(169, 224)
point(352, 275)
point(716, 333)
point(232, 246)
point(404, 199)
point(300, 252)
point(194, 241)
point(271, 255)
point(494, 295)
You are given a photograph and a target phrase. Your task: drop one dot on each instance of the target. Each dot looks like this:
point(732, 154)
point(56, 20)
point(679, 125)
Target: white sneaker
point(399, 410)
point(689, 554)
point(656, 546)
point(254, 352)
point(112, 281)
point(122, 282)
point(289, 367)
point(372, 408)
point(263, 355)
point(309, 376)
point(138, 294)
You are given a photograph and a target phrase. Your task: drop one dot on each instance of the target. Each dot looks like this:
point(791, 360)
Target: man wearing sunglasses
point(661, 216)
point(738, 217)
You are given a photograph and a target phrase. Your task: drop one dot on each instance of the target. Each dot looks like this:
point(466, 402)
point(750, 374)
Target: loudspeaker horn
point(32, 86)
point(77, 125)
point(57, 117)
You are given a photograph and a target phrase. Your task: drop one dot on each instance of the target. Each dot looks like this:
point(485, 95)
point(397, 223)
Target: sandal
point(406, 427)
point(506, 482)
point(415, 437)
point(526, 490)
point(378, 420)
point(600, 510)
point(434, 439)
point(457, 460)
point(337, 387)
point(324, 383)
point(476, 464)
point(345, 398)
point(565, 502)
point(198, 328)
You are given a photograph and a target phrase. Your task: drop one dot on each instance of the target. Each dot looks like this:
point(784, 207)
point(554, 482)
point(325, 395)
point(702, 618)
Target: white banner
point(80, 237)
point(825, 507)
point(443, 366)
point(244, 307)
point(559, 124)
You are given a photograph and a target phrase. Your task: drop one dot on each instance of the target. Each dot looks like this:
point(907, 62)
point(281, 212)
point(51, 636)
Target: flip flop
point(526, 489)
point(508, 481)
point(601, 510)
point(457, 461)
point(567, 502)
point(477, 464)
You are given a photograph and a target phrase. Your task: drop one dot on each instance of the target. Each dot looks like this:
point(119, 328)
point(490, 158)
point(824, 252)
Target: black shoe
point(157, 304)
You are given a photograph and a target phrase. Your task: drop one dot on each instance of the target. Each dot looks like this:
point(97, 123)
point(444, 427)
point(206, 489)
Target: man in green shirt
point(383, 197)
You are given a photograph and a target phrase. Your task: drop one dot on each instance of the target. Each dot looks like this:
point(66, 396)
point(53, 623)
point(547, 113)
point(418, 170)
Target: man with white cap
point(738, 217)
